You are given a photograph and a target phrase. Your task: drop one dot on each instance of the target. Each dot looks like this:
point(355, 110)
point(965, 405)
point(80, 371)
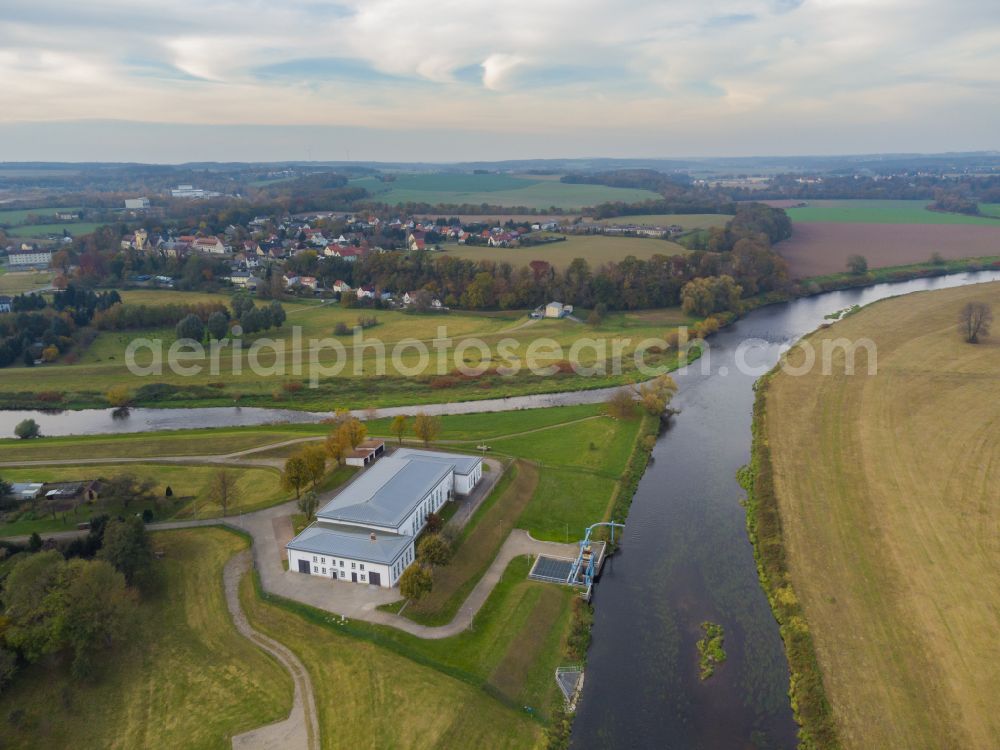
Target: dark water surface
point(685, 559)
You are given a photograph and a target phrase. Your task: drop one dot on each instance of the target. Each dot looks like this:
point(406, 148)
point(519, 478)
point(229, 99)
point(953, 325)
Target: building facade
point(366, 534)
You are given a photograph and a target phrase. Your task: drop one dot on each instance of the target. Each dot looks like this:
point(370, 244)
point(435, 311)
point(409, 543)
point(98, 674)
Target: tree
point(710, 294)
point(857, 264)
point(118, 396)
point(974, 321)
point(27, 429)
point(296, 474)
point(218, 325)
point(98, 608)
point(224, 489)
point(8, 666)
point(621, 404)
point(353, 431)
point(307, 505)
point(125, 489)
point(30, 595)
point(315, 461)
point(433, 523)
point(128, 548)
point(400, 424)
point(416, 581)
point(278, 314)
point(656, 394)
point(190, 327)
point(426, 427)
point(335, 447)
point(434, 550)
point(241, 303)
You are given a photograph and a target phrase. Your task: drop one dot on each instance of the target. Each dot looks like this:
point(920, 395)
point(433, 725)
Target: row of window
point(336, 574)
point(322, 560)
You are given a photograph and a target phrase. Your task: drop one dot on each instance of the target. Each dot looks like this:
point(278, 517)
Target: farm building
point(366, 533)
point(558, 310)
point(366, 453)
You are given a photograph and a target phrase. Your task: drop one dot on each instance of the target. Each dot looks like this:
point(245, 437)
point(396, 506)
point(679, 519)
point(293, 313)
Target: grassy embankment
point(184, 678)
point(102, 364)
point(861, 211)
point(872, 513)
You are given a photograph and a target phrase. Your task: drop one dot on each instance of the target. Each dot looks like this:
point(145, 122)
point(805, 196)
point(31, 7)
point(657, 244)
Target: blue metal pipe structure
point(588, 574)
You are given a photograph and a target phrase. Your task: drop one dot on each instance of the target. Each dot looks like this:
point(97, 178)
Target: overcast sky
point(476, 79)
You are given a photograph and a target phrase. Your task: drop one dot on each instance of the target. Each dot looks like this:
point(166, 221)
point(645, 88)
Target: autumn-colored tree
point(118, 396)
point(655, 395)
point(426, 427)
point(335, 447)
point(353, 431)
point(416, 581)
point(296, 474)
point(315, 460)
point(621, 404)
point(400, 424)
point(434, 550)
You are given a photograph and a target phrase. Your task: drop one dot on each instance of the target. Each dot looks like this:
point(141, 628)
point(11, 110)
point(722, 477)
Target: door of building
point(303, 566)
point(375, 578)
point(354, 577)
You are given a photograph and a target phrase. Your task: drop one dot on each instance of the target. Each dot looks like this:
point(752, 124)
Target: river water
point(685, 558)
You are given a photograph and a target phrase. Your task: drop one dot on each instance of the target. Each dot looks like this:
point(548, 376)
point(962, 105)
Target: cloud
point(686, 69)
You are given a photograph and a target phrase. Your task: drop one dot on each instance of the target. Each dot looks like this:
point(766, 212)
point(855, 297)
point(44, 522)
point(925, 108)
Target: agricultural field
point(688, 221)
point(18, 282)
point(886, 488)
point(185, 677)
point(596, 249)
point(880, 212)
point(990, 209)
point(495, 190)
point(815, 249)
point(275, 382)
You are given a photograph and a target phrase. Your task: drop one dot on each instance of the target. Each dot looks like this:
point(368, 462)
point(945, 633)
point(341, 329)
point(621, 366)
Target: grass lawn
point(359, 383)
point(186, 678)
point(990, 209)
point(565, 503)
point(17, 282)
point(596, 249)
point(510, 652)
point(886, 490)
point(75, 228)
point(688, 221)
point(879, 212)
point(495, 190)
point(12, 216)
point(258, 488)
point(486, 425)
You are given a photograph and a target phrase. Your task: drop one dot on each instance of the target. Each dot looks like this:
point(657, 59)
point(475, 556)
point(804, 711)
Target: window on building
point(324, 571)
point(362, 566)
point(362, 576)
point(314, 558)
point(353, 566)
point(315, 569)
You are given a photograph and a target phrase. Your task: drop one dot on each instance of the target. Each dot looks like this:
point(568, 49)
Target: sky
point(453, 80)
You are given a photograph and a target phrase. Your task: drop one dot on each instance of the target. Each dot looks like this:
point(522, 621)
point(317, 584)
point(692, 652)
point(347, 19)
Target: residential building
point(137, 203)
point(19, 260)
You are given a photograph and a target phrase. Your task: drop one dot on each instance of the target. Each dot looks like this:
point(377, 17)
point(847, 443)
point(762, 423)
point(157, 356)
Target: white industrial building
point(366, 533)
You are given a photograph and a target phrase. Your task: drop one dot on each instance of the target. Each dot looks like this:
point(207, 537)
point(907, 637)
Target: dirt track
point(824, 247)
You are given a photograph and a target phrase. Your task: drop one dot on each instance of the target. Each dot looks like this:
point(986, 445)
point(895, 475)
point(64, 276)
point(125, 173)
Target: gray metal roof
point(350, 542)
point(386, 493)
point(462, 464)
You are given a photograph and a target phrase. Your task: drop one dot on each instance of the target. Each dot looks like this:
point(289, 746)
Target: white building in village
point(366, 533)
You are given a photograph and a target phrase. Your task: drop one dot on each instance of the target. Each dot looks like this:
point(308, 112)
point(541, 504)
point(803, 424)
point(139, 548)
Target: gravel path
point(300, 731)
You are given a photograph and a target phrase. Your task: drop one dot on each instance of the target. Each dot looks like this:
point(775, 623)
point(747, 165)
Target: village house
point(210, 245)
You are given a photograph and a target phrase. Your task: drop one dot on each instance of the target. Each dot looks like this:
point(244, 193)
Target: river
point(685, 558)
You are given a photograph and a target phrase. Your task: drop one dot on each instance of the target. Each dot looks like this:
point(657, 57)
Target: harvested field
point(886, 489)
point(824, 247)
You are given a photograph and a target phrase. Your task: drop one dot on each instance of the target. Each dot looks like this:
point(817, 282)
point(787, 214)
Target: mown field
point(12, 216)
point(879, 212)
point(185, 678)
point(34, 231)
point(596, 249)
point(18, 282)
point(887, 488)
point(271, 379)
point(495, 190)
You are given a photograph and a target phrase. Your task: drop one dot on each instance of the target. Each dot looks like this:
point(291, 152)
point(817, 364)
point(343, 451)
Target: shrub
point(416, 581)
point(433, 523)
point(292, 386)
point(49, 397)
point(341, 329)
point(27, 429)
